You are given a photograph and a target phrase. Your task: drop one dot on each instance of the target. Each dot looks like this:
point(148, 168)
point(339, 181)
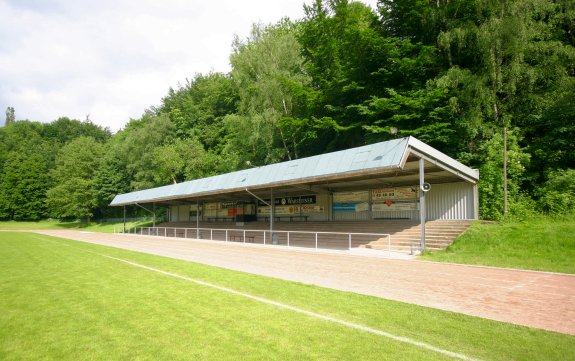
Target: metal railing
point(278, 237)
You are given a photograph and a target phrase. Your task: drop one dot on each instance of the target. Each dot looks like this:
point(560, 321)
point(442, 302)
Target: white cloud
point(112, 59)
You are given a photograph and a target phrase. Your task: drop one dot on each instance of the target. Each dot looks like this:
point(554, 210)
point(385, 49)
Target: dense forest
point(468, 77)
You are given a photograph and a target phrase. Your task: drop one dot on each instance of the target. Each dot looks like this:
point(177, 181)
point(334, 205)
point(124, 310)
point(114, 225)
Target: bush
point(557, 196)
point(522, 208)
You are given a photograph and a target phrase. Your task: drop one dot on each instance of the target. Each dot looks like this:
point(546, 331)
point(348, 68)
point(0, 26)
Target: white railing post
point(244, 236)
point(226, 235)
point(350, 241)
point(211, 234)
point(315, 240)
point(288, 238)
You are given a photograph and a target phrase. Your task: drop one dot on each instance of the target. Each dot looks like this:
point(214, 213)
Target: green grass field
point(62, 301)
point(542, 244)
point(51, 224)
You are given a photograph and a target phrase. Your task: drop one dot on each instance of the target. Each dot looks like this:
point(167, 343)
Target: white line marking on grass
point(288, 307)
point(302, 311)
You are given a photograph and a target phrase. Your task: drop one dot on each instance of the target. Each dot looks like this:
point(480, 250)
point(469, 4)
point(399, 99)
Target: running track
point(534, 299)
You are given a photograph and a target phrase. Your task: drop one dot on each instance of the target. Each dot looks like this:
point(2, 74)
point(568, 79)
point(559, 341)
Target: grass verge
point(541, 244)
point(61, 302)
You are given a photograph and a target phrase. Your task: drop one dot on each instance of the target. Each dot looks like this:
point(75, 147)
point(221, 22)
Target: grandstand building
point(373, 186)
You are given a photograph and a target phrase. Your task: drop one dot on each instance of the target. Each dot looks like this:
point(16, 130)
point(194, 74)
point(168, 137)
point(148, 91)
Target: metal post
point(197, 219)
point(288, 238)
point(211, 234)
point(165, 231)
point(422, 202)
point(226, 235)
point(349, 235)
point(272, 206)
point(505, 206)
point(315, 240)
point(244, 236)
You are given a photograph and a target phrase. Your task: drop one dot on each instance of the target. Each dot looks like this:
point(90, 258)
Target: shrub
point(557, 196)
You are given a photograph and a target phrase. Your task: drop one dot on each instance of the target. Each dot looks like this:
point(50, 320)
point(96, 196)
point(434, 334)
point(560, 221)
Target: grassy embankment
point(542, 244)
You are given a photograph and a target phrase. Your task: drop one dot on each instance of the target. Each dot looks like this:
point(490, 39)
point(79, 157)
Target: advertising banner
point(351, 197)
point(288, 201)
point(378, 195)
point(395, 206)
point(351, 207)
point(211, 206)
point(289, 210)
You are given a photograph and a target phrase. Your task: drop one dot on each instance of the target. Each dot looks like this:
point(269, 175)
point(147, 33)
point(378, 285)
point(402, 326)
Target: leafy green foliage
point(198, 108)
point(23, 187)
point(491, 181)
point(266, 68)
point(64, 130)
point(454, 74)
point(138, 147)
point(557, 196)
point(75, 194)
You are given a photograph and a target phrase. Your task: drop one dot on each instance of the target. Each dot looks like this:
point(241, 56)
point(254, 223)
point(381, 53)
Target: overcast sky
point(112, 59)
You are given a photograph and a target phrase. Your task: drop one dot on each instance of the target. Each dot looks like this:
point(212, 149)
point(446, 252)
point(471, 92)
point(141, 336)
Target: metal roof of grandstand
point(344, 169)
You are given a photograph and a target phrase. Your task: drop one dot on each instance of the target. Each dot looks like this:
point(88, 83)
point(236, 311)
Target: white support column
point(422, 202)
point(272, 214)
point(198, 219)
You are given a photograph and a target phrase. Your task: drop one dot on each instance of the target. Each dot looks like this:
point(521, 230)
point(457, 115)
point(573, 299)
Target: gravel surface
point(536, 299)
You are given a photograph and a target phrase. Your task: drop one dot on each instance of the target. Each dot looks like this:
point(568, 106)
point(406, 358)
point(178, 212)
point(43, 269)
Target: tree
point(10, 116)
point(504, 67)
point(267, 67)
point(74, 194)
point(23, 185)
point(111, 178)
point(141, 138)
point(179, 161)
point(491, 185)
point(198, 108)
point(64, 129)
point(358, 70)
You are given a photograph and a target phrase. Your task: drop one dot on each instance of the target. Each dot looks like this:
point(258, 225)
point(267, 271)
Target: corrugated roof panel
point(309, 166)
point(380, 155)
